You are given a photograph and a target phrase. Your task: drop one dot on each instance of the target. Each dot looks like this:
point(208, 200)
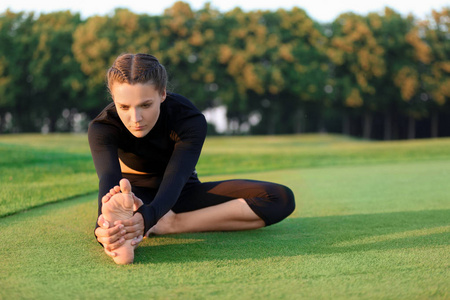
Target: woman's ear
point(163, 95)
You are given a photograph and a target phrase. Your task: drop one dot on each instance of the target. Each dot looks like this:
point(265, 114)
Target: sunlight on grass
point(228, 155)
point(62, 142)
point(59, 166)
point(397, 236)
point(337, 245)
point(162, 241)
point(371, 222)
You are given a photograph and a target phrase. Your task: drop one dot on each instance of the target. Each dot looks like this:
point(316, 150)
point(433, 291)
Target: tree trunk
point(346, 124)
point(411, 128)
point(395, 127)
point(2, 122)
point(434, 124)
point(52, 125)
point(298, 121)
point(367, 125)
point(271, 124)
point(388, 125)
point(321, 125)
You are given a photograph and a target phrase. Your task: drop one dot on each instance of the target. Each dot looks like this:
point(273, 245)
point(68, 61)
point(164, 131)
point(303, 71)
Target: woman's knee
point(286, 200)
point(282, 203)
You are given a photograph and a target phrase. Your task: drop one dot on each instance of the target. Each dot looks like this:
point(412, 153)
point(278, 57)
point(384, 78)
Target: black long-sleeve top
point(168, 153)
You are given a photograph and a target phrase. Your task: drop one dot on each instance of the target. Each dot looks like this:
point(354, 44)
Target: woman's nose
point(136, 116)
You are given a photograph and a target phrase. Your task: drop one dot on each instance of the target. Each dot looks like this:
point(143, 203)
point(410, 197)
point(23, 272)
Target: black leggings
point(270, 201)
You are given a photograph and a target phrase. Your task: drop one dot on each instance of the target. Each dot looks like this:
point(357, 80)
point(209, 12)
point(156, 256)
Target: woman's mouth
point(138, 128)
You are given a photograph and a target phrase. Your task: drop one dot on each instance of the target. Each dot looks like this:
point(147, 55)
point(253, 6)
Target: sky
point(319, 10)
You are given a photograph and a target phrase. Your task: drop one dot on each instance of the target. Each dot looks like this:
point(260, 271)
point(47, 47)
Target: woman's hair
point(137, 68)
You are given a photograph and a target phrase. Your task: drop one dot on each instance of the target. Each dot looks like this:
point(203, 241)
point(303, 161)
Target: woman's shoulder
point(179, 102)
point(179, 107)
point(108, 116)
point(107, 121)
point(183, 115)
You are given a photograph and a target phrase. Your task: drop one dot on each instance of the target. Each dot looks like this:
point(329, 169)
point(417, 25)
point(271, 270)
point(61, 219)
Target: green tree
point(55, 77)
point(299, 72)
point(99, 40)
point(434, 49)
point(281, 66)
point(241, 50)
point(188, 49)
point(397, 90)
point(270, 58)
point(358, 63)
point(16, 47)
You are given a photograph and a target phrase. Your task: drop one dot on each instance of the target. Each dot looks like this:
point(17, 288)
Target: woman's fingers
point(133, 231)
point(134, 226)
point(133, 235)
point(137, 240)
point(111, 238)
point(115, 245)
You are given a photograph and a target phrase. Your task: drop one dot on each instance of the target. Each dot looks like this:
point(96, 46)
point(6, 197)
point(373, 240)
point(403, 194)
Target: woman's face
point(138, 106)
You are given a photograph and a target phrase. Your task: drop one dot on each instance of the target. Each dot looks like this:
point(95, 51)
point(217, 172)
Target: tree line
point(380, 75)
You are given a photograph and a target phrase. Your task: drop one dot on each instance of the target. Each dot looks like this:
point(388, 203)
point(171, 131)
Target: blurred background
point(365, 71)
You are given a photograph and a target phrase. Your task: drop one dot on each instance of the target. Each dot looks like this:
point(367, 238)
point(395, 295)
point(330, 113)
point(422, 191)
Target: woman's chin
point(139, 133)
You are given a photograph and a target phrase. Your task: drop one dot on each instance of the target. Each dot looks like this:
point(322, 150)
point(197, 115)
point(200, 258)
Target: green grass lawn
point(39, 169)
point(372, 222)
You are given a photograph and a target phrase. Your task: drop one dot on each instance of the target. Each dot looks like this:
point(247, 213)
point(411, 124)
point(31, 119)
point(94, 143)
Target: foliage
point(436, 53)
point(280, 68)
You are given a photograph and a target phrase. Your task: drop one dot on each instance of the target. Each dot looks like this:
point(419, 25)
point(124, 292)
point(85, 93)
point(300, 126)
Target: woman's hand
point(134, 228)
point(130, 229)
point(111, 238)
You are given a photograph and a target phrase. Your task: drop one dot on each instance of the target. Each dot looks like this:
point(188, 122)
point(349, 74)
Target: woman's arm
point(190, 136)
point(103, 145)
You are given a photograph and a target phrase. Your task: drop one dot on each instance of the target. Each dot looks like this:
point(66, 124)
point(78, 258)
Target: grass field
point(372, 222)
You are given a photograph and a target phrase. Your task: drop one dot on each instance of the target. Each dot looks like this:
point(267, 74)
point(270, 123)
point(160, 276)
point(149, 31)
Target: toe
point(125, 186)
point(106, 198)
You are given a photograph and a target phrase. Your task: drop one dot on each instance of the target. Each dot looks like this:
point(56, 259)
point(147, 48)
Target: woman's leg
point(227, 206)
point(119, 206)
point(229, 216)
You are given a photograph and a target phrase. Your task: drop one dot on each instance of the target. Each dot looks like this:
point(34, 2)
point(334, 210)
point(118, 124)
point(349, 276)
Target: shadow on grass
point(71, 227)
point(305, 236)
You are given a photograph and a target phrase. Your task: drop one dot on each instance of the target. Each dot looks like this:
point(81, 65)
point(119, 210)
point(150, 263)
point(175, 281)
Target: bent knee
point(282, 204)
point(286, 201)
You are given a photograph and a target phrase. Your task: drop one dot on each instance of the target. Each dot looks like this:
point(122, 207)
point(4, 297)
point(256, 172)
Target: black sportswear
point(168, 154)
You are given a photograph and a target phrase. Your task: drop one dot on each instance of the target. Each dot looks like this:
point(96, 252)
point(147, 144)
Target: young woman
point(152, 140)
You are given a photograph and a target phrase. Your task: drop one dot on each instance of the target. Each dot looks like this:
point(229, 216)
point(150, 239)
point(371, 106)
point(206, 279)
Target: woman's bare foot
point(165, 225)
point(120, 207)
